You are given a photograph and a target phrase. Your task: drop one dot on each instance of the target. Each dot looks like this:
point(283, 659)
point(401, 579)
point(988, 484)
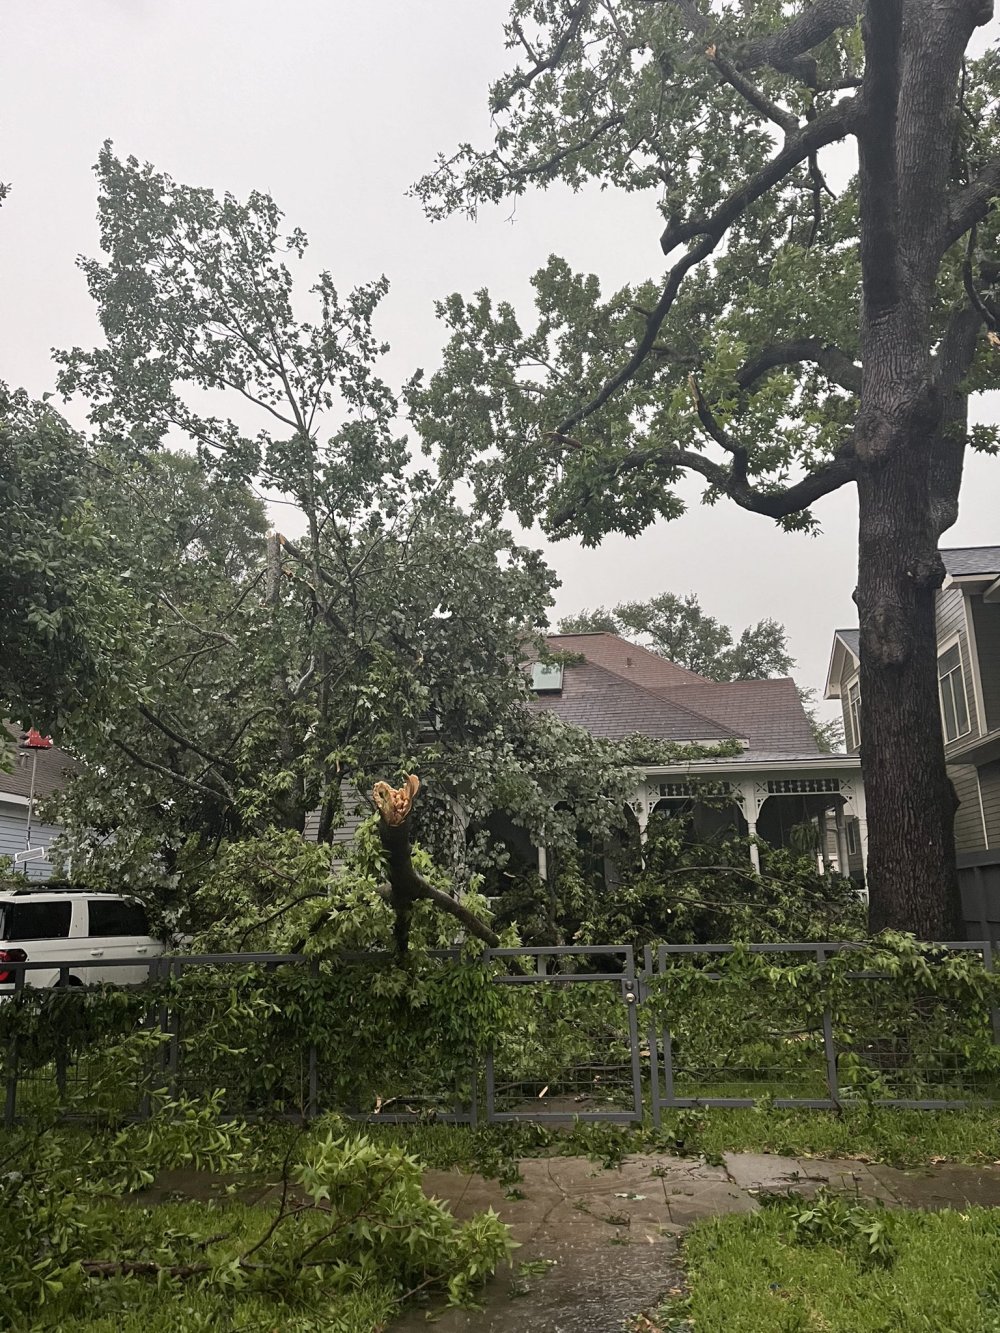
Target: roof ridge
point(629, 643)
point(654, 694)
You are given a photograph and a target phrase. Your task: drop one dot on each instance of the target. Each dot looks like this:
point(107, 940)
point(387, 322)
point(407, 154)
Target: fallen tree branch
point(406, 885)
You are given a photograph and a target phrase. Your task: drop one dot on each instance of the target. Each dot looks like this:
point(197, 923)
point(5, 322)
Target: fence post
point(10, 1101)
point(654, 1063)
point(313, 1107)
point(174, 1029)
point(829, 1050)
point(990, 965)
point(61, 1048)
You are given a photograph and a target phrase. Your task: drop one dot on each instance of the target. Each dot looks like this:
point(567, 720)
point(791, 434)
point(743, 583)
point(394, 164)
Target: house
point(968, 647)
point(37, 773)
point(777, 779)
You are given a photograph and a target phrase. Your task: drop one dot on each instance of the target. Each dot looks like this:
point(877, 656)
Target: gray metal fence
point(792, 1049)
point(581, 1033)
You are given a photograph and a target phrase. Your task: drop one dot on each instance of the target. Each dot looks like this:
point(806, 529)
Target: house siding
point(950, 623)
point(986, 627)
point(13, 819)
point(989, 779)
point(353, 815)
point(968, 816)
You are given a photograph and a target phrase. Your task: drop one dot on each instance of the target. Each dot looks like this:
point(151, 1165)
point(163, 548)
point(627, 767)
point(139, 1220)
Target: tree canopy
point(809, 332)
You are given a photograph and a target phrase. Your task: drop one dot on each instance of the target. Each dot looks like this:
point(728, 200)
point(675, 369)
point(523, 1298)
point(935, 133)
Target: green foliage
point(682, 890)
point(908, 1020)
point(62, 618)
point(351, 1229)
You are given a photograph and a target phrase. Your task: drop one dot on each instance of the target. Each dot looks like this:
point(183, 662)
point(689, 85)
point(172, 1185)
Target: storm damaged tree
point(806, 336)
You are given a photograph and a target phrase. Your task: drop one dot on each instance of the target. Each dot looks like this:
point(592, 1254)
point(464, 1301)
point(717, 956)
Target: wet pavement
point(597, 1246)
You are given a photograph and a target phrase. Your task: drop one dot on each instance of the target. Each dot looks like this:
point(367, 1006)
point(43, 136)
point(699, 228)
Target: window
point(853, 841)
point(546, 677)
point(35, 921)
point(854, 714)
point(116, 917)
point(951, 684)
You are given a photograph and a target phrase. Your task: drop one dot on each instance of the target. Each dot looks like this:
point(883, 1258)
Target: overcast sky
point(335, 107)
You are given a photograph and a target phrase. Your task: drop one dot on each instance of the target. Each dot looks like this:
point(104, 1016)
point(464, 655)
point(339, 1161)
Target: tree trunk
point(912, 880)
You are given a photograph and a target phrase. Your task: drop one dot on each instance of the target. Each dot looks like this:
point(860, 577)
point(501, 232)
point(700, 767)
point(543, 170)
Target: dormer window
point(954, 703)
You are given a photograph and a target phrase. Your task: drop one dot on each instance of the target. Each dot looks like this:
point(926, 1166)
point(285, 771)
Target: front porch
point(767, 800)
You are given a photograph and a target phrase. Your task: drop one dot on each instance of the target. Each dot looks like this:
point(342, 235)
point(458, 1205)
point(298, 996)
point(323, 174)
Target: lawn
point(796, 1267)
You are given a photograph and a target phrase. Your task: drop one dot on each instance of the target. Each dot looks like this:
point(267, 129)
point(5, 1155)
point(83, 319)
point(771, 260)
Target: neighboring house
point(51, 766)
point(778, 780)
point(968, 645)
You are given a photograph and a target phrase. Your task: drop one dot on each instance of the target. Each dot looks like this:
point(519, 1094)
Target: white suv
point(72, 926)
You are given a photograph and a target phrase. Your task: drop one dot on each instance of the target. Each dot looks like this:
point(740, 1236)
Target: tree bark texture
point(906, 440)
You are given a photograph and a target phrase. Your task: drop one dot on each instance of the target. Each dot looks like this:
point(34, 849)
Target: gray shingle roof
point(972, 560)
point(612, 708)
point(768, 713)
point(852, 637)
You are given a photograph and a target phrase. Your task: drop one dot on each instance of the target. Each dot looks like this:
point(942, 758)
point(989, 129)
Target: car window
point(115, 916)
point(35, 921)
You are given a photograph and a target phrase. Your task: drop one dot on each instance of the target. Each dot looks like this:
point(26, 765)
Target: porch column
point(640, 808)
point(543, 864)
point(750, 812)
point(843, 859)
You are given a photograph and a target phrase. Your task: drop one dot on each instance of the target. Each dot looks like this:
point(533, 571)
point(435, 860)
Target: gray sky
point(335, 107)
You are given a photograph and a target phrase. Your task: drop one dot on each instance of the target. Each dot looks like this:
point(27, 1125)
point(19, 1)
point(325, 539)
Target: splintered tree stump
point(406, 885)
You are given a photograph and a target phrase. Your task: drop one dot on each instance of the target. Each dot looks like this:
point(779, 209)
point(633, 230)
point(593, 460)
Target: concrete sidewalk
point(599, 1245)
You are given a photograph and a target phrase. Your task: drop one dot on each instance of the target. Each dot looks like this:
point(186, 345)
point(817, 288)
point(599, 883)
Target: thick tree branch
point(834, 363)
point(137, 758)
point(879, 239)
point(406, 885)
point(971, 204)
point(784, 50)
point(776, 504)
point(836, 122)
point(214, 759)
point(827, 128)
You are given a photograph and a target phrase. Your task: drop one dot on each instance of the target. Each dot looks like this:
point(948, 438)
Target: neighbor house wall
point(13, 825)
point(968, 816)
point(989, 782)
point(951, 622)
point(986, 627)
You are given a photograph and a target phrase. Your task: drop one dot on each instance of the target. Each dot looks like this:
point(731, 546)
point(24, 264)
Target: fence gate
point(570, 1043)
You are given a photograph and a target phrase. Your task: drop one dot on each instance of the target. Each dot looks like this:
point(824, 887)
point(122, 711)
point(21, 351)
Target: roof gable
point(844, 658)
point(622, 658)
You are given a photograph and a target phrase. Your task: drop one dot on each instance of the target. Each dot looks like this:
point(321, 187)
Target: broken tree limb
point(406, 885)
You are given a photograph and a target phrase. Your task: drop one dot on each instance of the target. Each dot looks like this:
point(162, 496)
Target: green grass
point(936, 1273)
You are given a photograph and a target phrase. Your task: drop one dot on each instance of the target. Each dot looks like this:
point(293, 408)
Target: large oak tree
point(804, 336)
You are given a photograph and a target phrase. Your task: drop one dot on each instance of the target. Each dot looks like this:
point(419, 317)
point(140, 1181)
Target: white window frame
point(853, 715)
point(955, 641)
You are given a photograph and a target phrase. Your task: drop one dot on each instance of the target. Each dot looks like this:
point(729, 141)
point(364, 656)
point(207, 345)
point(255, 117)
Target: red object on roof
point(34, 740)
